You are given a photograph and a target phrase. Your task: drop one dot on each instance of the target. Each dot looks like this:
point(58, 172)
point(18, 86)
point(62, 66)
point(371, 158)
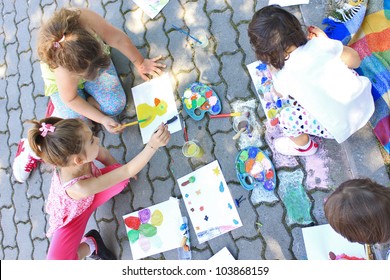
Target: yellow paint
point(146, 111)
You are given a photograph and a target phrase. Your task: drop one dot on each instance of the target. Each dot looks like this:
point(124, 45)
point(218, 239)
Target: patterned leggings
point(295, 120)
point(106, 89)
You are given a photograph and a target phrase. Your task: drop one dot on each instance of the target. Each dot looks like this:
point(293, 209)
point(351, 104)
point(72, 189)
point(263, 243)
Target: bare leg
point(83, 251)
point(301, 140)
point(93, 102)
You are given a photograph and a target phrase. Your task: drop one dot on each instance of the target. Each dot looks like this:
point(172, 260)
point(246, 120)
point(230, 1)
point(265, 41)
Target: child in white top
point(78, 187)
point(329, 99)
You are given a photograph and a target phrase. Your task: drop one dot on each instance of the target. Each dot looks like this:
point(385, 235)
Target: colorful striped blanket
point(364, 25)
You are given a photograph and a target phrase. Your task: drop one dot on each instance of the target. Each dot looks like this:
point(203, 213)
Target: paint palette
point(198, 99)
point(255, 169)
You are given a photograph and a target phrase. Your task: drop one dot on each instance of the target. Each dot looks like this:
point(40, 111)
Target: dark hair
point(56, 147)
point(359, 210)
point(79, 52)
point(272, 31)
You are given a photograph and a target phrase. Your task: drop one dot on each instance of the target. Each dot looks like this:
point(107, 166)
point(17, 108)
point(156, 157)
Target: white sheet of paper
point(151, 7)
point(145, 96)
point(208, 201)
point(285, 3)
point(224, 255)
point(168, 234)
point(322, 239)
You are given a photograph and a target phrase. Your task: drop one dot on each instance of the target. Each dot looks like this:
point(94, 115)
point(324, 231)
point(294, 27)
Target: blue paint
point(230, 206)
point(221, 187)
point(187, 195)
point(235, 221)
point(183, 226)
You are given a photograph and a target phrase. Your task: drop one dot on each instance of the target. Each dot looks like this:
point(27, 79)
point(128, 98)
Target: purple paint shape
point(144, 215)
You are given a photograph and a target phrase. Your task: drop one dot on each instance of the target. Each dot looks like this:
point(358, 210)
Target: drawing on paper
point(151, 7)
point(154, 229)
point(208, 202)
point(321, 240)
point(154, 99)
point(149, 112)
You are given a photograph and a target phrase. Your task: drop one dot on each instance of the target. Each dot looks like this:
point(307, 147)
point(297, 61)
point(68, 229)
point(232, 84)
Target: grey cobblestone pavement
point(222, 65)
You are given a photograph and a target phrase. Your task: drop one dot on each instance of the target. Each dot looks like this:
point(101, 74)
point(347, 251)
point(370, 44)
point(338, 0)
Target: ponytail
point(55, 140)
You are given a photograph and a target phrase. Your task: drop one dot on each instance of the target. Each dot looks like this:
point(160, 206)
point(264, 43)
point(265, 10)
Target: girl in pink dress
point(78, 187)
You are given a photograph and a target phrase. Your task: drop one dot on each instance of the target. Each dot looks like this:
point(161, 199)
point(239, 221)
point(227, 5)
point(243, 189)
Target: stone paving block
point(24, 36)
point(274, 232)
point(184, 80)
point(35, 10)
point(10, 253)
point(220, 27)
point(16, 132)
point(142, 191)
point(246, 212)
point(157, 38)
point(40, 247)
point(243, 10)
point(111, 13)
point(38, 184)
point(314, 12)
point(225, 240)
point(318, 206)
point(194, 16)
point(48, 9)
point(107, 229)
point(20, 201)
point(214, 6)
point(21, 8)
point(371, 166)
point(38, 81)
point(134, 29)
point(7, 190)
point(298, 246)
point(9, 235)
point(207, 65)
point(159, 164)
point(162, 190)
point(27, 103)
point(104, 212)
point(204, 254)
point(9, 26)
point(40, 111)
point(225, 151)
point(24, 241)
point(249, 249)
point(37, 218)
point(5, 152)
point(13, 92)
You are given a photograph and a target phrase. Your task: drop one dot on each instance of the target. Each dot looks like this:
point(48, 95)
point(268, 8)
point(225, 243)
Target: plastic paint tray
point(255, 169)
point(198, 99)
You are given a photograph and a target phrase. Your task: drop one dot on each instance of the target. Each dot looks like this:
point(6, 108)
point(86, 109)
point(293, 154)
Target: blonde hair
point(56, 147)
point(63, 42)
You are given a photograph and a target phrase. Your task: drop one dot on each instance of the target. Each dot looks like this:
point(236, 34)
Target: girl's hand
point(111, 125)
point(160, 137)
point(314, 31)
point(150, 67)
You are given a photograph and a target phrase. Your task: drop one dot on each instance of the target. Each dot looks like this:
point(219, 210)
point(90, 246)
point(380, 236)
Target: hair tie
point(57, 44)
point(45, 128)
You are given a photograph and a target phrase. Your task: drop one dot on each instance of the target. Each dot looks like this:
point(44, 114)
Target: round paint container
point(255, 169)
point(192, 149)
point(242, 122)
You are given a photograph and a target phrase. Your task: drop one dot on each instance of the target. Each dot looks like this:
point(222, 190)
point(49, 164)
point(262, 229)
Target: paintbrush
point(235, 114)
point(174, 118)
point(131, 123)
point(186, 33)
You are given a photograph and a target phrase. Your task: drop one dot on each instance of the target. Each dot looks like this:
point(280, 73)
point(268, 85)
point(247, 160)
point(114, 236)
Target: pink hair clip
point(46, 128)
point(57, 43)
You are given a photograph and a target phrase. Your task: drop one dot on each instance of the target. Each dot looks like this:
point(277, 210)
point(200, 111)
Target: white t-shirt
point(315, 76)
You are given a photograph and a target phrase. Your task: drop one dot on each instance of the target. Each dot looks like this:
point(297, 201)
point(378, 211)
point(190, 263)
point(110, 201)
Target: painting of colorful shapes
point(155, 102)
point(209, 203)
point(262, 81)
point(154, 229)
point(151, 7)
